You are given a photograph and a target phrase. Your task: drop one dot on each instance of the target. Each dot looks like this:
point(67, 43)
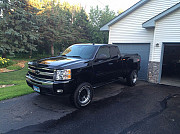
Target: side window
point(103, 52)
point(114, 51)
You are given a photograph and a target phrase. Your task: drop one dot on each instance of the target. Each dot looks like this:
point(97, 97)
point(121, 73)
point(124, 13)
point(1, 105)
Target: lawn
point(17, 78)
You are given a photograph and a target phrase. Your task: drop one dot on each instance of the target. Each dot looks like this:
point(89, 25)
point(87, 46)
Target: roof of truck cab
point(96, 44)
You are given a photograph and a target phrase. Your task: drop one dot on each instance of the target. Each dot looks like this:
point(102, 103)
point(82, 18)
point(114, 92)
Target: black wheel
point(132, 78)
point(82, 96)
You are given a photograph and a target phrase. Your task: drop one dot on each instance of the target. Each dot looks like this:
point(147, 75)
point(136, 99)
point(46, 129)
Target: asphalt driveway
point(33, 109)
point(118, 109)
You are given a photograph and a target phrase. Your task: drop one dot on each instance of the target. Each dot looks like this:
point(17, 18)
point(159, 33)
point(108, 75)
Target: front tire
point(132, 78)
point(83, 95)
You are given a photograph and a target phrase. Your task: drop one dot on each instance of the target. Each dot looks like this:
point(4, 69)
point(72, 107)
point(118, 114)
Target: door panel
point(101, 70)
point(102, 66)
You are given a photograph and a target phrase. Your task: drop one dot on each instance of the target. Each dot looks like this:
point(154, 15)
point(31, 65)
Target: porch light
point(157, 45)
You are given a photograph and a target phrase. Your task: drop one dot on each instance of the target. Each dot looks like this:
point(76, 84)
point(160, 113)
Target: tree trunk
point(30, 56)
point(52, 49)
point(4, 55)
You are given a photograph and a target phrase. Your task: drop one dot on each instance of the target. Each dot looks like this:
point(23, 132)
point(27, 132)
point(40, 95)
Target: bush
point(5, 62)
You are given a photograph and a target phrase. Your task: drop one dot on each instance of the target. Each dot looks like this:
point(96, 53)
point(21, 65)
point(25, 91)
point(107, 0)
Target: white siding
point(129, 29)
point(167, 30)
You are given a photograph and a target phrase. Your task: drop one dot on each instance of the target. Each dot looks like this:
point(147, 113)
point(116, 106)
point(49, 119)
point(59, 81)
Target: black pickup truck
point(80, 69)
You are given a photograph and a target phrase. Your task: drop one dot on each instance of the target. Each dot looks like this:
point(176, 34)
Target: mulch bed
point(20, 63)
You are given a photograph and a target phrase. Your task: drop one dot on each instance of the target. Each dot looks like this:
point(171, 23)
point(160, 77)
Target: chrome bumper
point(42, 82)
point(38, 82)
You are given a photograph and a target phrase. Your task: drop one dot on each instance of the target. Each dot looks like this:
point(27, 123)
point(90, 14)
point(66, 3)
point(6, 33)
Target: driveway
point(34, 109)
point(143, 109)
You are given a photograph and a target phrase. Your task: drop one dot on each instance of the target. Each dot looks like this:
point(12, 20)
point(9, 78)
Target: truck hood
point(59, 62)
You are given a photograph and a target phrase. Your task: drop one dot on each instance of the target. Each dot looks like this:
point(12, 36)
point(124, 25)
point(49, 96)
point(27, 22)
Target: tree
point(98, 18)
point(81, 24)
point(62, 25)
point(18, 27)
point(120, 11)
point(54, 27)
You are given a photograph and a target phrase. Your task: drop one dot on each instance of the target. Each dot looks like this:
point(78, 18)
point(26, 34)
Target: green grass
point(13, 67)
point(17, 78)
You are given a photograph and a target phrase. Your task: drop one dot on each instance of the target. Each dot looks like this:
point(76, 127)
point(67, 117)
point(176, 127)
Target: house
point(150, 28)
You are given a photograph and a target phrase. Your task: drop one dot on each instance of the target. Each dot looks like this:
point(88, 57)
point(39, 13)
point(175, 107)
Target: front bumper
point(51, 87)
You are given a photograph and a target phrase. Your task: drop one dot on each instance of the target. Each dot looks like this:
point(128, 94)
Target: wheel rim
point(134, 78)
point(84, 94)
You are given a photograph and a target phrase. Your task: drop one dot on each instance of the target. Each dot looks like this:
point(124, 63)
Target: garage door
point(171, 64)
point(143, 51)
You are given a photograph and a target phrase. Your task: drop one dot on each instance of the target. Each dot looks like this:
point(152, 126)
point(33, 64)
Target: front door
point(101, 65)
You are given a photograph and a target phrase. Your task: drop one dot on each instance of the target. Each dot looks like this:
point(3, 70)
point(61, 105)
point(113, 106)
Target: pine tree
point(56, 29)
point(18, 27)
point(81, 24)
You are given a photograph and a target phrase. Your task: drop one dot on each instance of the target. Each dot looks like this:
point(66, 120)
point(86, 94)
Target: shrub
point(5, 62)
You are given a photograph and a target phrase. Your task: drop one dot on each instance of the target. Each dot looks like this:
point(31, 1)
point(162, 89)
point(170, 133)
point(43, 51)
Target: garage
point(171, 64)
point(155, 22)
point(143, 50)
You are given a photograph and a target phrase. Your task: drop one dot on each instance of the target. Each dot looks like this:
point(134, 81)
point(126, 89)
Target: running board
point(106, 83)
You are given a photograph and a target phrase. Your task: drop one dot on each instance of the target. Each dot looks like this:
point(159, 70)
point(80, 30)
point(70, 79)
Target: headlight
point(63, 74)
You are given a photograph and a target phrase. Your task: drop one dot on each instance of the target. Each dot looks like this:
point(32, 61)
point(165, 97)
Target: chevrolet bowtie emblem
point(37, 72)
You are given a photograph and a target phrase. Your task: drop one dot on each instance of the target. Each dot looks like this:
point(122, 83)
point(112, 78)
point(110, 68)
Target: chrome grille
point(41, 73)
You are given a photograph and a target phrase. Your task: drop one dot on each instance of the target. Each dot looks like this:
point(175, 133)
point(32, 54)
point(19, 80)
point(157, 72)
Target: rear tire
point(132, 78)
point(83, 95)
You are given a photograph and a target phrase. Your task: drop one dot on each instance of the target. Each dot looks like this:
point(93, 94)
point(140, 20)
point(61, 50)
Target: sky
point(115, 5)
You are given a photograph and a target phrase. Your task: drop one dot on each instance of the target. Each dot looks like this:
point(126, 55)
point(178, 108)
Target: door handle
point(110, 63)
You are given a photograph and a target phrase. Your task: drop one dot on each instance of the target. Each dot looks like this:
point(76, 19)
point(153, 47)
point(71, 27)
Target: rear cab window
point(114, 52)
point(104, 50)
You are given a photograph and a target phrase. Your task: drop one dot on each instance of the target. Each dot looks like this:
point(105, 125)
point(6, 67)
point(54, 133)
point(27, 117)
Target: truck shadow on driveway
point(59, 103)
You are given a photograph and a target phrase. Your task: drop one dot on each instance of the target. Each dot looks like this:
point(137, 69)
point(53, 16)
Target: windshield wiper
point(63, 55)
point(75, 56)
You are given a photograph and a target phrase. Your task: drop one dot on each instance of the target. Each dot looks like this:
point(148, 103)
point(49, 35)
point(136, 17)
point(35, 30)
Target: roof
point(123, 14)
point(84, 44)
point(151, 22)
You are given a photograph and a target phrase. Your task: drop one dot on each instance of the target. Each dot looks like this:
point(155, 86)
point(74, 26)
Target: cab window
point(103, 52)
point(114, 51)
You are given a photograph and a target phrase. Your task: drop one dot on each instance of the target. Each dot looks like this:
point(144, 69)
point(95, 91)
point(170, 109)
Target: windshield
point(80, 51)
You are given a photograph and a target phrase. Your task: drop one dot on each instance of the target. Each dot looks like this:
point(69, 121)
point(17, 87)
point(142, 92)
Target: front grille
point(44, 74)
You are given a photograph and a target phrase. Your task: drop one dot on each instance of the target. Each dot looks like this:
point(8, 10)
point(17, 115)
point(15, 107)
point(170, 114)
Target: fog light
point(59, 91)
